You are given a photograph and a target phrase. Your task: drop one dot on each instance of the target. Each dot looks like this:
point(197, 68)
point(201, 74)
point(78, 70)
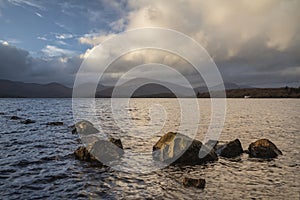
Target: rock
point(99, 146)
point(230, 149)
point(105, 150)
point(84, 127)
point(15, 118)
point(83, 154)
point(263, 148)
point(28, 121)
point(73, 127)
point(74, 130)
point(198, 183)
point(246, 151)
point(117, 142)
point(177, 148)
point(55, 124)
point(212, 143)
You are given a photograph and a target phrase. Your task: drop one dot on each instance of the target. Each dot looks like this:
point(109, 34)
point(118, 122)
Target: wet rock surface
point(84, 155)
point(84, 127)
point(263, 148)
point(176, 148)
point(230, 149)
point(15, 118)
point(101, 151)
point(98, 147)
point(28, 121)
point(55, 124)
point(194, 182)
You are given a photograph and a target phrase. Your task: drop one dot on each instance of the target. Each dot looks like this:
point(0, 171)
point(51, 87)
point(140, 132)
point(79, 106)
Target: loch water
point(37, 161)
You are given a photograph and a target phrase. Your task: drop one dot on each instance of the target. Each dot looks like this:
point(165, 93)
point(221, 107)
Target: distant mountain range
point(33, 90)
point(13, 89)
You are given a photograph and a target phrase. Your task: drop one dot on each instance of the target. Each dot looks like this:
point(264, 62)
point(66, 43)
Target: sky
point(253, 42)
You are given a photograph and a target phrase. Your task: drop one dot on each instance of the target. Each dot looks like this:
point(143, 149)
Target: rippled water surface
point(36, 160)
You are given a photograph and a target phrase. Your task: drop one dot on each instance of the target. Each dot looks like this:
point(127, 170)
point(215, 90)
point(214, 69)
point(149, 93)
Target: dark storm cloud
point(12, 58)
point(17, 64)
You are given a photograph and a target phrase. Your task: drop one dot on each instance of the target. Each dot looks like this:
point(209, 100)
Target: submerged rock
point(55, 124)
point(230, 149)
point(192, 182)
point(263, 148)
point(15, 118)
point(177, 148)
point(28, 121)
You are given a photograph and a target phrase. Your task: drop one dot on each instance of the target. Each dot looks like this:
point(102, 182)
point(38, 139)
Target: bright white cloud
point(94, 39)
point(5, 43)
point(38, 14)
point(42, 38)
point(53, 51)
point(64, 36)
point(242, 34)
point(222, 27)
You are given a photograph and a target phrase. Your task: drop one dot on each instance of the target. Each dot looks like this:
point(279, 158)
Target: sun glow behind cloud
point(252, 42)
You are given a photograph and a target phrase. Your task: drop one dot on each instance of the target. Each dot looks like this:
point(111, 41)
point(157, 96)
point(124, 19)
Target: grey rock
point(176, 148)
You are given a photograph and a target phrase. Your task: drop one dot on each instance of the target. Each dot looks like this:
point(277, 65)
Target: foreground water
point(36, 160)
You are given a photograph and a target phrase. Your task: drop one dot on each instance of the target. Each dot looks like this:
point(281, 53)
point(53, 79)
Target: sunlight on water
point(37, 160)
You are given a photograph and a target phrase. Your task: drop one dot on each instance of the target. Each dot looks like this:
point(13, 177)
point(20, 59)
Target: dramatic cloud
point(18, 65)
point(249, 40)
point(252, 42)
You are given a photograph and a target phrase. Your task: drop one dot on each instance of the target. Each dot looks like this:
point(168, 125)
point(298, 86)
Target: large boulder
point(230, 149)
point(176, 148)
point(194, 182)
point(263, 148)
point(102, 151)
point(98, 147)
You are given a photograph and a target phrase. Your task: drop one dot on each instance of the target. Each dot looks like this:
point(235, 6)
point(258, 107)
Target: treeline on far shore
point(285, 92)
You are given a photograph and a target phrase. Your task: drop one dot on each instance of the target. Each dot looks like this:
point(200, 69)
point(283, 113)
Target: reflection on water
point(37, 160)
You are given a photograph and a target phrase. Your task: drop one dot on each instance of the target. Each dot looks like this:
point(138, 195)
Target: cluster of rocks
point(181, 149)
point(174, 149)
point(97, 150)
point(26, 121)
